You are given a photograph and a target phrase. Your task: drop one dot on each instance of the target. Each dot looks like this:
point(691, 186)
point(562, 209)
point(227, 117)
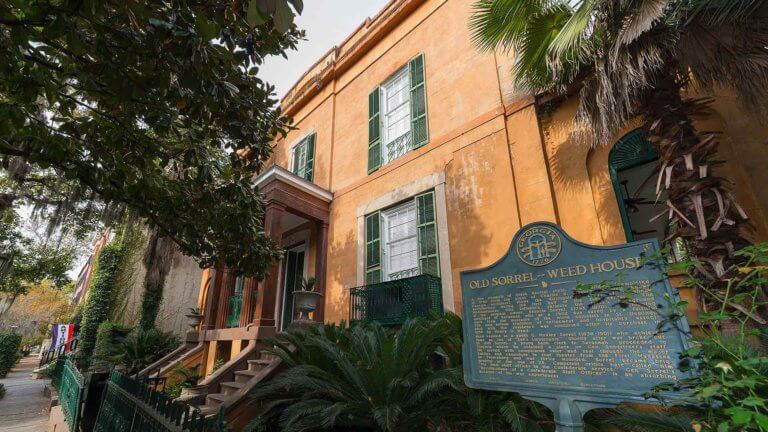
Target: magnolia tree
point(150, 106)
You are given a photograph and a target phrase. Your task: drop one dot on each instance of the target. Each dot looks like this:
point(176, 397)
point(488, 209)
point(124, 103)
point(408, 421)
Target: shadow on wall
point(342, 275)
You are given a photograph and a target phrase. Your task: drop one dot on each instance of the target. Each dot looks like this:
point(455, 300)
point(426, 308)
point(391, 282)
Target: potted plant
point(194, 317)
point(188, 378)
point(306, 299)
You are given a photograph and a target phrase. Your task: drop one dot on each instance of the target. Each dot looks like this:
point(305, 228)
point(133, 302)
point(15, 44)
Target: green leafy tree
point(636, 59)
point(32, 261)
point(151, 106)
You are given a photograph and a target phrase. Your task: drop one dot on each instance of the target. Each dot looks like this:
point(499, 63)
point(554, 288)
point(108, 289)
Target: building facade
point(415, 158)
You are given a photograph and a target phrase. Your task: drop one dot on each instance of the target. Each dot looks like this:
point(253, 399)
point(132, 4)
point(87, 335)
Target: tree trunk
point(701, 208)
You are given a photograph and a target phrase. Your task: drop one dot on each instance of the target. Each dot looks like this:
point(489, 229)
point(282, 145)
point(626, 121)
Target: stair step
point(218, 397)
point(230, 387)
point(256, 365)
point(243, 376)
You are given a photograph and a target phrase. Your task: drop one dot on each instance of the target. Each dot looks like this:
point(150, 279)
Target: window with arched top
point(633, 164)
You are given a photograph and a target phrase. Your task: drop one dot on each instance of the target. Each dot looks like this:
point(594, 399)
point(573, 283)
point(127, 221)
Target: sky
point(327, 23)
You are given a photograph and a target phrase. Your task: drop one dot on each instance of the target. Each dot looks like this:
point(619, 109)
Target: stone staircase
point(261, 366)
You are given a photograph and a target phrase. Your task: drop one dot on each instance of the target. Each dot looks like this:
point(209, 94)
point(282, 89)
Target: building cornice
point(342, 57)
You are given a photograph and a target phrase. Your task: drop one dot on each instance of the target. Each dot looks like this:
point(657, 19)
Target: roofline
point(341, 57)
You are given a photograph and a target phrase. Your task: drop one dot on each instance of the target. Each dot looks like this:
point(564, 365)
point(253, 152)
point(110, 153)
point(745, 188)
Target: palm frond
point(639, 20)
point(565, 47)
point(501, 23)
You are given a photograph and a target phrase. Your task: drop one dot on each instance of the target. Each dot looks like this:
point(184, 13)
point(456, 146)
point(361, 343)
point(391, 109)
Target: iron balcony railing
point(235, 305)
point(395, 301)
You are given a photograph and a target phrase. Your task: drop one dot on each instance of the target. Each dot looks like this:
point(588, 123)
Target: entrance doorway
point(293, 275)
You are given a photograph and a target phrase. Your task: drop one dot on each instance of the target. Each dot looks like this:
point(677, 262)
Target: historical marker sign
point(525, 332)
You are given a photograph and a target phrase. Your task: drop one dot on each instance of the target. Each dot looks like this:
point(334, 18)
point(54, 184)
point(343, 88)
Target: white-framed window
point(400, 243)
point(396, 116)
point(303, 157)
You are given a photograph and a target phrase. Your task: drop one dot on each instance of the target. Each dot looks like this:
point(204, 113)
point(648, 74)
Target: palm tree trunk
point(700, 206)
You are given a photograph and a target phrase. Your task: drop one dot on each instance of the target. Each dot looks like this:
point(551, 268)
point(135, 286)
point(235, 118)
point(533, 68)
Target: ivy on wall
point(99, 302)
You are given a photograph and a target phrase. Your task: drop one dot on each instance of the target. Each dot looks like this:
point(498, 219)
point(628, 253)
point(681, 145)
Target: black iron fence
point(132, 406)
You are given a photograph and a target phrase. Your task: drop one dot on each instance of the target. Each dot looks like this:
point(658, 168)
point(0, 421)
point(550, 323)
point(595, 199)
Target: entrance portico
point(241, 309)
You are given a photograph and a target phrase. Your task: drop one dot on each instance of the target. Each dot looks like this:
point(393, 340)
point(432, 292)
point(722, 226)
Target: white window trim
point(385, 139)
point(434, 182)
point(385, 240)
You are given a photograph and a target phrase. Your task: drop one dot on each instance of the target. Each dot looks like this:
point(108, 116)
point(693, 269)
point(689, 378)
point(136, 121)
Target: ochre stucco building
point(414, 154)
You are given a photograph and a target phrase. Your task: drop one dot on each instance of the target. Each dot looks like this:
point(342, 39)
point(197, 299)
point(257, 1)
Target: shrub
point(10, 342)
point(368, 378)
point(99, 301)
point(142, 348)
point(109, 340)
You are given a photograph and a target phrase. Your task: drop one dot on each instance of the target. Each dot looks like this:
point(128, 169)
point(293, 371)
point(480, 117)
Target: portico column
point(212, 289)
point(321, 262)
point(267, 294)
point(225, 290)
point(246, 310)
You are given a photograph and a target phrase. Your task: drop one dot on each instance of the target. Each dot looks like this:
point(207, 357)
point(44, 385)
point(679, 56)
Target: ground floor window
point(401, 241)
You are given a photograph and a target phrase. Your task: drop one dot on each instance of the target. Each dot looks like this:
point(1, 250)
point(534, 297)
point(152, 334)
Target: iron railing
point(131, 406)
point(70, 385)
point(393, 302)
point(50, 355)
point(235, 305)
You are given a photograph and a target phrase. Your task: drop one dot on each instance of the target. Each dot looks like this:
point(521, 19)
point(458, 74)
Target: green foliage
point(150, 106)
point(186, 376)
point(367, 378)
point(133, 241)
point(143, 347)
point(150, 304)
point(33, 261)
point(99, 301)
point(10, 342)
point(109, 340)
point(728, 361)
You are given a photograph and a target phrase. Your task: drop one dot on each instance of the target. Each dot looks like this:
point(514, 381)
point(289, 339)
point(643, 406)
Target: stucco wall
point(181, 292)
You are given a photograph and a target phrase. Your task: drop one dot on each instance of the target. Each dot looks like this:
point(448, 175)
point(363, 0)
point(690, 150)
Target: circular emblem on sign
point(538, 245)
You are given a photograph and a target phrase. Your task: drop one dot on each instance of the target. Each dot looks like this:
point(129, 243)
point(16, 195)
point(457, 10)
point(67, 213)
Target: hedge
point(10, 342)
point(99, 302)
point(108, 339)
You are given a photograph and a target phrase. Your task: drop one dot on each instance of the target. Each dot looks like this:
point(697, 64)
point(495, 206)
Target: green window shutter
point(373, 248)
point(419, 130)
point(429, 262)
point(309, 167)
point(374, 131)
point(295, 159)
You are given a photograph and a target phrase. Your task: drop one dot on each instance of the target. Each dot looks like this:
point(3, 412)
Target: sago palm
point(368, 378)
point(628, 59)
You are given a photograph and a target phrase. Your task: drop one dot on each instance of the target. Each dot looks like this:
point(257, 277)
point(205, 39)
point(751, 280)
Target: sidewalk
point(24, 408)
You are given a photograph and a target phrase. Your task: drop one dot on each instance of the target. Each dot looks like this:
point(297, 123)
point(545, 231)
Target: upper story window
point(401, 241)
point(397, 115)
point(303, 157)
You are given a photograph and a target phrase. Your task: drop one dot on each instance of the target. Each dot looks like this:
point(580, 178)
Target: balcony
point(393, 302)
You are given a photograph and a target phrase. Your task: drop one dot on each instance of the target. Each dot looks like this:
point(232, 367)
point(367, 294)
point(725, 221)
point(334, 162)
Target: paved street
point(24, 408)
